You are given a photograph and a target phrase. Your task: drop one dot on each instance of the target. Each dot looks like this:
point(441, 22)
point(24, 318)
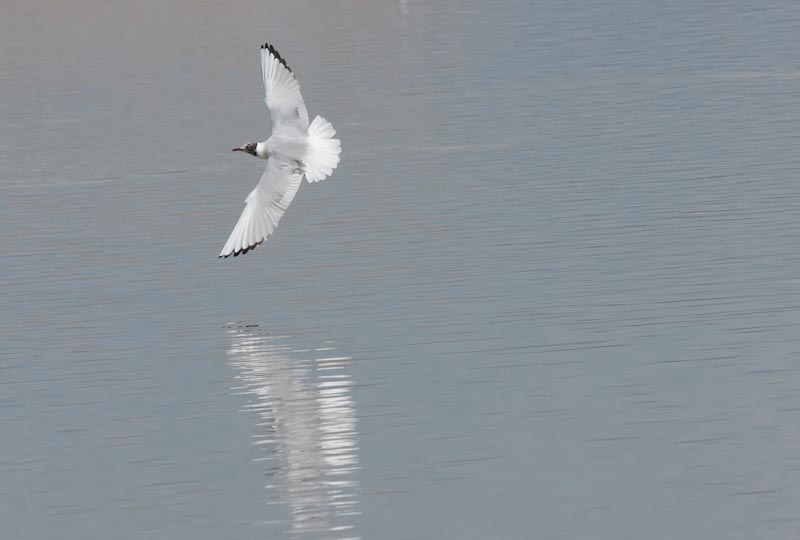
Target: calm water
point(551, 291)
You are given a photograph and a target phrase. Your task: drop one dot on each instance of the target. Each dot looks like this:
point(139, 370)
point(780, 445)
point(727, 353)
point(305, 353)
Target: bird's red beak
point(238, 150)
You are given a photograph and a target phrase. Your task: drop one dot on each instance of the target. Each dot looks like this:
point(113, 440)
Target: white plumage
point(294, 149)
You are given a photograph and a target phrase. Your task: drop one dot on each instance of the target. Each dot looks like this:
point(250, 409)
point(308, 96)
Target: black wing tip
point(274, 52)
point(242, 251)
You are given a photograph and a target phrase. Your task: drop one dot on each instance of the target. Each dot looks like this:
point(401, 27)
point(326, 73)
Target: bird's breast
point(287, 148)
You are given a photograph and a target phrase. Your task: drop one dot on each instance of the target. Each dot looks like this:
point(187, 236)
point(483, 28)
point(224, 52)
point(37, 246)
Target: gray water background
point(550, 292)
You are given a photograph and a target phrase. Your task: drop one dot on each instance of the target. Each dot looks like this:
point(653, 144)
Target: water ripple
point(306, 427)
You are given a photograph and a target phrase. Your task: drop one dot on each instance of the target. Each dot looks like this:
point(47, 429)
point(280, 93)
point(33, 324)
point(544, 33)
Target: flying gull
point(294, 150)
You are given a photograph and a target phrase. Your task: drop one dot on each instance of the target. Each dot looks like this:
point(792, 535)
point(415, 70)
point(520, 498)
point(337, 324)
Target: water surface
point(551, 291)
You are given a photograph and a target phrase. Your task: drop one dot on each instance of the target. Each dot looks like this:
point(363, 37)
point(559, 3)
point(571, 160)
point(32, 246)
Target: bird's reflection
point(307, 427)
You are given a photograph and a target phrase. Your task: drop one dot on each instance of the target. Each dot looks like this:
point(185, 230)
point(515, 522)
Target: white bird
point(294, 149)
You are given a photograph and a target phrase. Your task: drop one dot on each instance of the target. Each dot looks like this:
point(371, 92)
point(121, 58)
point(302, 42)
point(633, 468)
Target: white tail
point(323, 150)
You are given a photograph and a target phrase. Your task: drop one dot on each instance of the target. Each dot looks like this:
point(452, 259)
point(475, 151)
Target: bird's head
point(250, 148)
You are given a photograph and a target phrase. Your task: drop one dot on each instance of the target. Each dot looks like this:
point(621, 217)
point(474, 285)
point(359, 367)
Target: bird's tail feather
point(323, 150)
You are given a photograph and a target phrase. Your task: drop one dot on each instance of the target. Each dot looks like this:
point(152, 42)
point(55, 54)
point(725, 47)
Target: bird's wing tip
point(274, 52)
point(242, 251)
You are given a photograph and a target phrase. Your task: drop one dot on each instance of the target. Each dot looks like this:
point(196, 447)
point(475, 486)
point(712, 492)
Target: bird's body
point(285, 148)
point(295, 150)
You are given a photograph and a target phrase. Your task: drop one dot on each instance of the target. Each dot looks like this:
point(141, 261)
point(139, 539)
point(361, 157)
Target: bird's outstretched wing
point(264, 207)
point(283, 98)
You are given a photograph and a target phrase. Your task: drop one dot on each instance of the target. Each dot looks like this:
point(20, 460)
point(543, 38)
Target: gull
point(295, 149)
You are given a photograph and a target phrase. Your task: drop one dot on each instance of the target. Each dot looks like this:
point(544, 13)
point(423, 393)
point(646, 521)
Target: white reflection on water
point(307, 428)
